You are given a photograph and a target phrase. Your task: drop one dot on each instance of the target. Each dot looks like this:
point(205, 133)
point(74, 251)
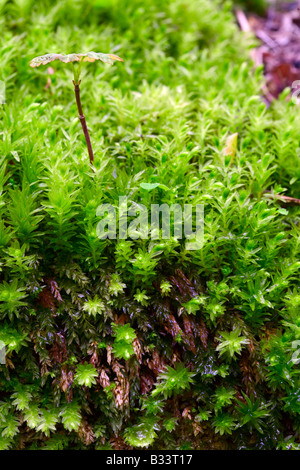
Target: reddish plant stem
point(284, 199)
point(288, 200)
point(83, 122)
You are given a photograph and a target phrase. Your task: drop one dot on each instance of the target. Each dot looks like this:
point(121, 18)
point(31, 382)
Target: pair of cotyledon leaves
point(88, 57)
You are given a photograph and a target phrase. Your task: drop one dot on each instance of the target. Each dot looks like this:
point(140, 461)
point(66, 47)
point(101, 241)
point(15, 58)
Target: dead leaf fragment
point(231, 145)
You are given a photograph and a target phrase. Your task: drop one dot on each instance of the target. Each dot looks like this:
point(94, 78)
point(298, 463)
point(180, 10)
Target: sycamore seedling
point(76, 60)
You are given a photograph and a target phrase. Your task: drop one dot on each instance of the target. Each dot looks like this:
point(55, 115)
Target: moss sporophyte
point(76, 61)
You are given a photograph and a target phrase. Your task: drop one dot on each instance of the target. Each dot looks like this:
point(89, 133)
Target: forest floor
point(279, 52)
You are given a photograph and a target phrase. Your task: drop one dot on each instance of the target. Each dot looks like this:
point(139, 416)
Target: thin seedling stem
point(83, 122)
